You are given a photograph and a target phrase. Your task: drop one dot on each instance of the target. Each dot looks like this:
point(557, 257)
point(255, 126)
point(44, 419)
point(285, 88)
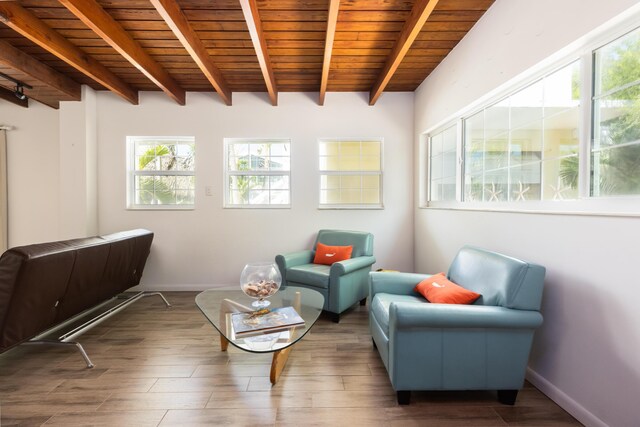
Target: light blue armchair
point(342, 284)
point(483, 346)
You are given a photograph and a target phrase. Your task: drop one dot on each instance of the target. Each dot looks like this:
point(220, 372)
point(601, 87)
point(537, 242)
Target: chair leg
point(507, 397)
point(363, 301)
point(404, 397)
point(335, 317)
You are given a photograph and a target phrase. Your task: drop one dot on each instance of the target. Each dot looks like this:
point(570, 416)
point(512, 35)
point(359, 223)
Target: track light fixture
point(19, 90)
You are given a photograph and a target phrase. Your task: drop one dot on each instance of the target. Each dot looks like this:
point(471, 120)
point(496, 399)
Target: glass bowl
point(260, 280)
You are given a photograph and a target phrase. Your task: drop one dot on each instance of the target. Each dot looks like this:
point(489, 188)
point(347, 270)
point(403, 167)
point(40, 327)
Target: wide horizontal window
point(161, 172)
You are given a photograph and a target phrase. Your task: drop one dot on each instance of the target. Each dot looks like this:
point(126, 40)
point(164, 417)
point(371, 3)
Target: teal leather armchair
point(482, 346)
point(343, 283)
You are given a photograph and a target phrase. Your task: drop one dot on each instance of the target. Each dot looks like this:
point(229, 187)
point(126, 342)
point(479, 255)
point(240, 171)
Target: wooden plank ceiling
point(228, 45)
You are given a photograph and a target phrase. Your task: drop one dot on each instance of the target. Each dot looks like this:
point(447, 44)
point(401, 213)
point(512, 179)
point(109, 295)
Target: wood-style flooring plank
point(158, 366)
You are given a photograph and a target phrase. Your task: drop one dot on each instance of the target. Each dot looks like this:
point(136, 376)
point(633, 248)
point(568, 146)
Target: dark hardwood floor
point(158, 366)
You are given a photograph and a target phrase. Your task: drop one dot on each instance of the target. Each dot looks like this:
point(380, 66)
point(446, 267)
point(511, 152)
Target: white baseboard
point(565, 401)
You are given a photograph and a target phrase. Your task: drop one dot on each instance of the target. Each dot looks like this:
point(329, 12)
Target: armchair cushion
point(316, 275)
point(327, 255)
point(438, 289)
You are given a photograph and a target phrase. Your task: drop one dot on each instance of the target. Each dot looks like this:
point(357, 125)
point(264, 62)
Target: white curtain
point(4, 230)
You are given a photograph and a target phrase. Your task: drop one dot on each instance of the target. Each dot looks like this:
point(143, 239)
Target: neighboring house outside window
point(161, 172)
point(350, 173)
point(257, 173)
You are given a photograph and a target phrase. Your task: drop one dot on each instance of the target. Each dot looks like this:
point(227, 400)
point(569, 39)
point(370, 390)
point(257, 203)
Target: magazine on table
point(277, 319)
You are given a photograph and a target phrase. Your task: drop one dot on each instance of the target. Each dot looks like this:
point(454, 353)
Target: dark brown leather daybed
point(44, 285)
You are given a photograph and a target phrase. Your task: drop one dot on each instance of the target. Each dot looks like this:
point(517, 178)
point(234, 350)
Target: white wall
point(585, 355)
point(210, 245)
point(33, 171)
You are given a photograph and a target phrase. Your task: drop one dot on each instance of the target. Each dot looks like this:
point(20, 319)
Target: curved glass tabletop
point(217, 305)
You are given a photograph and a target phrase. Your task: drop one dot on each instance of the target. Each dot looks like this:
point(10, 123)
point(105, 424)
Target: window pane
point(561, 178)
point(351, 197)
point(525, 182)
point(526, 105)
point(561, 134)
point(370, 163)
point(436, 167)
point(371, 182)
point(442, 163)
point(618, 63)
point(617, 118)
point(616, 171)
point(496, 185)
point(474, 143)
point(329, 148)
point(496, 119)
point(371, 148)
point(473, 188)
point(371, 197)
point(279, 197)
point(562, 89)
point(350, 149)
point(526, 144)
point(496, 152)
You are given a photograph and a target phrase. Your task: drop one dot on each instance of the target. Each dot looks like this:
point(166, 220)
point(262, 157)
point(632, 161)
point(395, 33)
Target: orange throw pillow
point(439, 289)
point(329, 254)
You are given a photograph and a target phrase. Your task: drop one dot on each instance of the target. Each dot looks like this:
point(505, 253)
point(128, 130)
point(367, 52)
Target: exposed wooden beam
point(18, 60)
point(412, 26)
point(175, 19)
point(9, 95)
point(96, 18)
point(252, 17)
point(332, 20)
point(31, 27)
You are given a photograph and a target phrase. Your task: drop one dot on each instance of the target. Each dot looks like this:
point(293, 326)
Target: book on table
point(276, 320)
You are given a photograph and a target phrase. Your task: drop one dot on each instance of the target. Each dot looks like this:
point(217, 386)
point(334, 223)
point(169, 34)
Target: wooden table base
point(277, 363)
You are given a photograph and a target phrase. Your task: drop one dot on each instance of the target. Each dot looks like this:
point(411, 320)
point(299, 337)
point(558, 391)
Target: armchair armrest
point(394, 282)
point(347, 266)
point(403, 315)
point(294, 258)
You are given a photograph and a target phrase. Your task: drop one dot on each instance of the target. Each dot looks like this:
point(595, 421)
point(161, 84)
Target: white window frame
point(428, 149)
point(379, 173)
point(582, 49)
point(228, 173)
point(132, 173)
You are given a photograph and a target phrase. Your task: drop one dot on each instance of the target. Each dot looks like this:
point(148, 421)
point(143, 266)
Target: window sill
point(605, 207)
point(351, 207)
point(256, 207)
point(161, 208)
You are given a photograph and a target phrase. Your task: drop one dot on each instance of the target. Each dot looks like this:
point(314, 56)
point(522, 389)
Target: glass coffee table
point(217, 305)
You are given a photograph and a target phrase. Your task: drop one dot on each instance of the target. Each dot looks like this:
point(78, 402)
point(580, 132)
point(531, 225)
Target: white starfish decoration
point(520, 193)
point(558, 190)
point(493, 193)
